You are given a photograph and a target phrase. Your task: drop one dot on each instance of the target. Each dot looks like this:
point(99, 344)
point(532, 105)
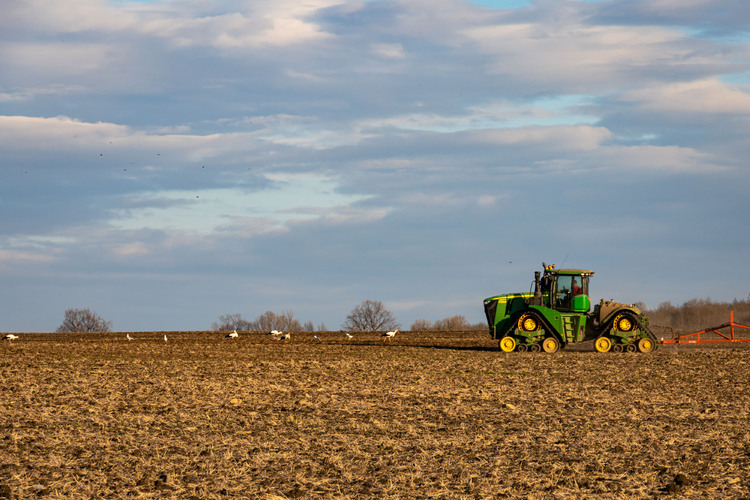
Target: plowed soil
point(422, 416)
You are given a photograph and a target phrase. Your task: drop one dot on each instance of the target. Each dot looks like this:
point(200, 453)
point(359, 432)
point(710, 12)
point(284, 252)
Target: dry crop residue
point(425, 415)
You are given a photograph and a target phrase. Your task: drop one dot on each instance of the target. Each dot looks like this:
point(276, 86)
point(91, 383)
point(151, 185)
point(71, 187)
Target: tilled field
point(422, 416)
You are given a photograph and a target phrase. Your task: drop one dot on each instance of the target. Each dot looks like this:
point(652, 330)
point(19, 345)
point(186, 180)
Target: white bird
point(274, 332)
point(315, 337)
point(165, 337)
point(233, 335)
point(10, 336)
point(127, 336)
point(390, 335)
point(349, 335)
point(286, 336)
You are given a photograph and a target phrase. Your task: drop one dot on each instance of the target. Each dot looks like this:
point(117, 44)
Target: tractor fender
point(543, 320)
point(609, 309)
point(616, 308)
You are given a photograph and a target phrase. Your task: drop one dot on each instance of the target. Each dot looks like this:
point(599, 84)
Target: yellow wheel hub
point(646, 345)
point(527, 323)
point(508, 344)
point(550, 345)
point(603, 344)
point(623, 323)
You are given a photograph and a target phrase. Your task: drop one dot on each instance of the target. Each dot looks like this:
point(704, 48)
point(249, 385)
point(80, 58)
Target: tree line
point(698, 314)
point(372, 315)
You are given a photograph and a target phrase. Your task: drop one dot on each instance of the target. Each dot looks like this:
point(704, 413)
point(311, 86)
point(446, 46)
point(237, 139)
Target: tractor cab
point(566, 289)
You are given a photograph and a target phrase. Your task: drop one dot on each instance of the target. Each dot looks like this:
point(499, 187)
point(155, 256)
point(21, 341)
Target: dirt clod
point(683, 480)
point(5, 491)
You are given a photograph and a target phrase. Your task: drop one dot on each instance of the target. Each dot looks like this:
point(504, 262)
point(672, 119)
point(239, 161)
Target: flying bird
point(127, 336)
point(389, 335)
point(233, 335)
point(10, 336)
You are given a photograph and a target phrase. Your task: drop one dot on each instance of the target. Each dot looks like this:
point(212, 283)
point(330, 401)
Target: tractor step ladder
point(716, 335)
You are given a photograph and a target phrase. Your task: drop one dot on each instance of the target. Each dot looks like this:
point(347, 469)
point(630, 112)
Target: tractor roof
point(576, 272)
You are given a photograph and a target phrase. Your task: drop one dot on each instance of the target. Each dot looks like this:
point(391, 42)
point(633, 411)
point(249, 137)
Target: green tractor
point(557, 313)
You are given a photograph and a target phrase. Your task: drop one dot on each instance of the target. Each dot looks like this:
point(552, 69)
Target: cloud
point(581, 58)
point(60, 132)
point(486, 200)
point(659, 158)
point(67, 17)
point(389, 50)
point(580, 137)
point(11, 259)
point(700, 97)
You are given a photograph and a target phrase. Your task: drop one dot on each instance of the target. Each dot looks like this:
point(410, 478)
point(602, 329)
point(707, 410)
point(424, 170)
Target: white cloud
point(580, 137)
point(60, 132)
point(10, 259)
point(63, 133)
point(672, 159)
point(580, 57)
point(280, 23)
point(486, 200)
point(388, 50)
point(68, 16)
point(700, 96)
point(63, 60)
point(132, 249)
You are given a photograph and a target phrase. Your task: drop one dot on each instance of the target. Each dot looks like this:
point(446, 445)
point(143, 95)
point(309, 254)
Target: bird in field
point(127, 336)
point(315, 337)
point(389, 335)
point(233, 335)
point(165, 337)
point(286, 336)
point(349, 335)
point(10, 336)
point(274, 332)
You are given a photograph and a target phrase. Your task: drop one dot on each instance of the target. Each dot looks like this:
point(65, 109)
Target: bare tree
point(231, 322)
point(370, 316)
point(421, 325)
point(272, 321)
point(83, 321)
point(453, 323)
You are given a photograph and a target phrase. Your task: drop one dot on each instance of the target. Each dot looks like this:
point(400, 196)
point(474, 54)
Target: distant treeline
point(698, 314)
point(454, 323)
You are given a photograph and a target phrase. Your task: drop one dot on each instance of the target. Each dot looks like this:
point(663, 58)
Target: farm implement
point(558, 312)
point(714, 335)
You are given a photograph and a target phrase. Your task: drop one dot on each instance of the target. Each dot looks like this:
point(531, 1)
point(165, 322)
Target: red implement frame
point(695, 338)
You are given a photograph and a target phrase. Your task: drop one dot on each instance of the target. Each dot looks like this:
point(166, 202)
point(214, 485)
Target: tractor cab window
point(569, 287)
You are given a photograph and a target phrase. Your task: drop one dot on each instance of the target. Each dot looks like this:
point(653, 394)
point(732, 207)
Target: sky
point(166, 162)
